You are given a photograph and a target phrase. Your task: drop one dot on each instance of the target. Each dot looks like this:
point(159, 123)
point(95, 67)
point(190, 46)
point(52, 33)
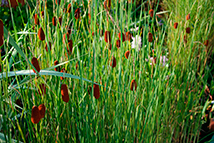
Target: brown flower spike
point(113, 62)
point(133, 85)
point(150, 37)
point(151, 12)
point(57, 68)
point(1, 33)
point(118, 44)
point(54, 21)
point(41, 34)
point(107, 37)
point(188, 30)
point(96, 91)
point(69, 8)
point(128, 36)
point(46, 46)
point(77, 13)
point(64, 93)
point(123, 37)
point(35, 63)
point(188, 17)
point(127, 54)
point(175, 25)
point(35, 115)
point(70, 46)
point(36, 20)
point(206, 43)
point(42, 110)
point(63, 71)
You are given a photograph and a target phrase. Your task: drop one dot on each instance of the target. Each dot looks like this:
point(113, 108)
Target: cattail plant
point(123, 37)
point(175, 25)
point(128, 36)
point(35, 63)
point(41, 34)
point(127, 54)
point(46, 46)
point(65, 36)
point(77, 13)
point(60, 21)
point(42, 110)
point(206, 43)
point(42, 14)
point(133, 85)
point(96, 91)
point(150, 37)
point(70, 46)
point(58, 2)
point(113, 62)
point(151, 12)
point(107, 37)
point(188, 17)
point(1, 33)
point(36, 19)
point(188, 30)
point(57, 68)
point(64, 93)
point(63, 71)
point(54, 21)
point(118, 43)
point(35, 115)
point(69, 8)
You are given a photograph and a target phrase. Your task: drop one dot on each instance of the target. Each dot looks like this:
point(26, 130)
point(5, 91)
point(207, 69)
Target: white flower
point(134, 29)
point(163, 60)
point(136, 43)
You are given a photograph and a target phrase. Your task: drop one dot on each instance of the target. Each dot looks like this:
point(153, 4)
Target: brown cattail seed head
point(188, 17)
point(77, 13)
point(123, 37)
point(76, 66)
point(69, 8)
point(107, 37)
point(175, 25)
point(118, 44)
point(113, 62)
point(13, 3)
point(35, 115)
point(1, 33)
point(36, 20)
point(96, 91)
point(41, 34)
point(133, 85)
point(42, 89)
point(150, 37)
point(35, 63)
point(185, 39)
point(151, 12)
point(60, 21)
point(65, 36)
point(63, 71)
point(188, 30)
point(70, 46)
point(42, 14)
point(57, 68)
point(58, 2)
point(54, 21)
point(128, 36)
point(42, 110)
point(64, 93)
point(46, 46)
point(206, 43)
point(127, 54)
